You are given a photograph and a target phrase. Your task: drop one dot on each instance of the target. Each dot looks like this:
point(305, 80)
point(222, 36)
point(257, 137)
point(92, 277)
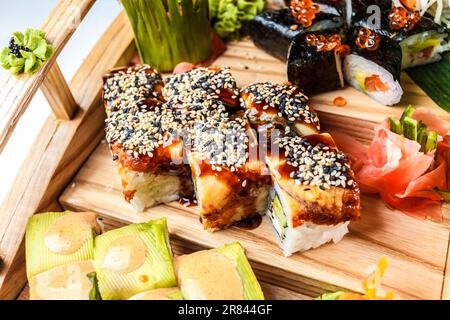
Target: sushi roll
point(60, 255)
point(315, 57)
point(229, 183)
point(134, 259)
point(274, 31)
point(142, 133)
point(315, 195)
point(374, 66)
point(223, 273)
point(421, 39)
point(280, 105)
point(198, 85)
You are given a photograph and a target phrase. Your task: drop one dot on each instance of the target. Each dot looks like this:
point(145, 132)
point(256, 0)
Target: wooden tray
point(56, 175)
point(417, 250)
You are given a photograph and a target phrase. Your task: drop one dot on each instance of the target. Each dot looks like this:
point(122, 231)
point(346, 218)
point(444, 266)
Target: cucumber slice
point(422, 135)
point(409, 111)
point(396, 126)
point(279, 214)
point(445, 195)
point(410, 128)
point(431, 144)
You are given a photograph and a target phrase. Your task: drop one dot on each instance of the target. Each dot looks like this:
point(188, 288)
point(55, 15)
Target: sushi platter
point(77, 167)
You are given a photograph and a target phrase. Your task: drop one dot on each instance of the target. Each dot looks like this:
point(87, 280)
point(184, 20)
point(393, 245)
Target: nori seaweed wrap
point(273, 31)
point(421, 45)
point(312, 70)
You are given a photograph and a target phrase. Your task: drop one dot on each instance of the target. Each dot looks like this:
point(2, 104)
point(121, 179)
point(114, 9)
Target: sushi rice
point(357, 69)
point(305, 237)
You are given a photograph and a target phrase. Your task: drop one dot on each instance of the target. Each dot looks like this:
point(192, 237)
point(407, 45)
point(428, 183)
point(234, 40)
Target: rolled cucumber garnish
point(168, 32)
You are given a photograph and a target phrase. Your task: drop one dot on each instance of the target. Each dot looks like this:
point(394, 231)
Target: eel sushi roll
point(223, 273)
point(274, 31)
point(374, 66)
point(229, 181)
point(198, 85)
point(315, 62)
point(142, 132)
point(134, 259)
point(60, 255)
point(315, 195)
point(279, 105)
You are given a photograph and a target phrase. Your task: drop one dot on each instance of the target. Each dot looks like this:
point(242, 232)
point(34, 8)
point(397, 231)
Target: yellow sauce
point(157, 294)
point(67, 234)
point(67, 282)
point(125, 254)
point(209, 275)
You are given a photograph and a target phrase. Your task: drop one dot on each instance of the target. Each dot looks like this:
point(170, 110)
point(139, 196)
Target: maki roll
point(220, 274)
point(60, 255)
point(374, 66)
point(142, 133)
point(315, 195)
point(228, 177)
point(198, 85)
point(134, 259)
point(280, 105)
point(421, 39)
point(317, 57)
point(274, 31)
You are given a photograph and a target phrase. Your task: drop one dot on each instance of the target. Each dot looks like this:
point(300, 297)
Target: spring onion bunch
point(168, 32)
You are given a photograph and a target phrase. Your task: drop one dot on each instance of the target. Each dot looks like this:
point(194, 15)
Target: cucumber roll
point(317, 57)
point(374, 66)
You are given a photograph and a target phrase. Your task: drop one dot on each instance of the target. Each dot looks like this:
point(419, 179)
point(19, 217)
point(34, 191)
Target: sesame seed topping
point(128, 90)
point(315, 164)
point(289, 101)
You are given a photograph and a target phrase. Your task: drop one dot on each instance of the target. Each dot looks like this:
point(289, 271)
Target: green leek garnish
point(168, 32)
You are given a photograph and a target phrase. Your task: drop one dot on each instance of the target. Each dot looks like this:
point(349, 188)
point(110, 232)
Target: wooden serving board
point(417, 250)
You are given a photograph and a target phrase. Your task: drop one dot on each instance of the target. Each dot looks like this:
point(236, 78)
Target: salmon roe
point(400, 18)
point(327, 43)
point(304, 11)
point(368, 39)
point(339, 101)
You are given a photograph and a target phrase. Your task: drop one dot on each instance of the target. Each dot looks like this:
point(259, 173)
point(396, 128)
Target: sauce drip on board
point(249, 223)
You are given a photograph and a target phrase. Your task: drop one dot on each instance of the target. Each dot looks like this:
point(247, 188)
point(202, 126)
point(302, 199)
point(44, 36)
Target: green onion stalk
point(168, 32)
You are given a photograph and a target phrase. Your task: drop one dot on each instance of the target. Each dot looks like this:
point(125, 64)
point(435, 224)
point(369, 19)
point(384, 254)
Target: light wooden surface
point(58, 94)
point(60, 150)
point(17, 92)
point(416, 249)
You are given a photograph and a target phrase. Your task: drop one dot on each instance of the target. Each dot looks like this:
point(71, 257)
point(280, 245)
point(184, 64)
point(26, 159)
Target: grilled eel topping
point(197, 85)
point(280, 104)
point(316, 178)
point(130, 89)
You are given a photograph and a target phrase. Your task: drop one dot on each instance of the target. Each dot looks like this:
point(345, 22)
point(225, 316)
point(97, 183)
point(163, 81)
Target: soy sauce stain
point(249, 223)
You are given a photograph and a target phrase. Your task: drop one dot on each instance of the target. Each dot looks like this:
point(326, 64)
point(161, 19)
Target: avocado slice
point(431, 144)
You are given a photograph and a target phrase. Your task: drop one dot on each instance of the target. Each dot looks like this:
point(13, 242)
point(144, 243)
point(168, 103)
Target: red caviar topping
point(304, 11)
point(368, 39)
point(400, 18)
point(327, 43)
